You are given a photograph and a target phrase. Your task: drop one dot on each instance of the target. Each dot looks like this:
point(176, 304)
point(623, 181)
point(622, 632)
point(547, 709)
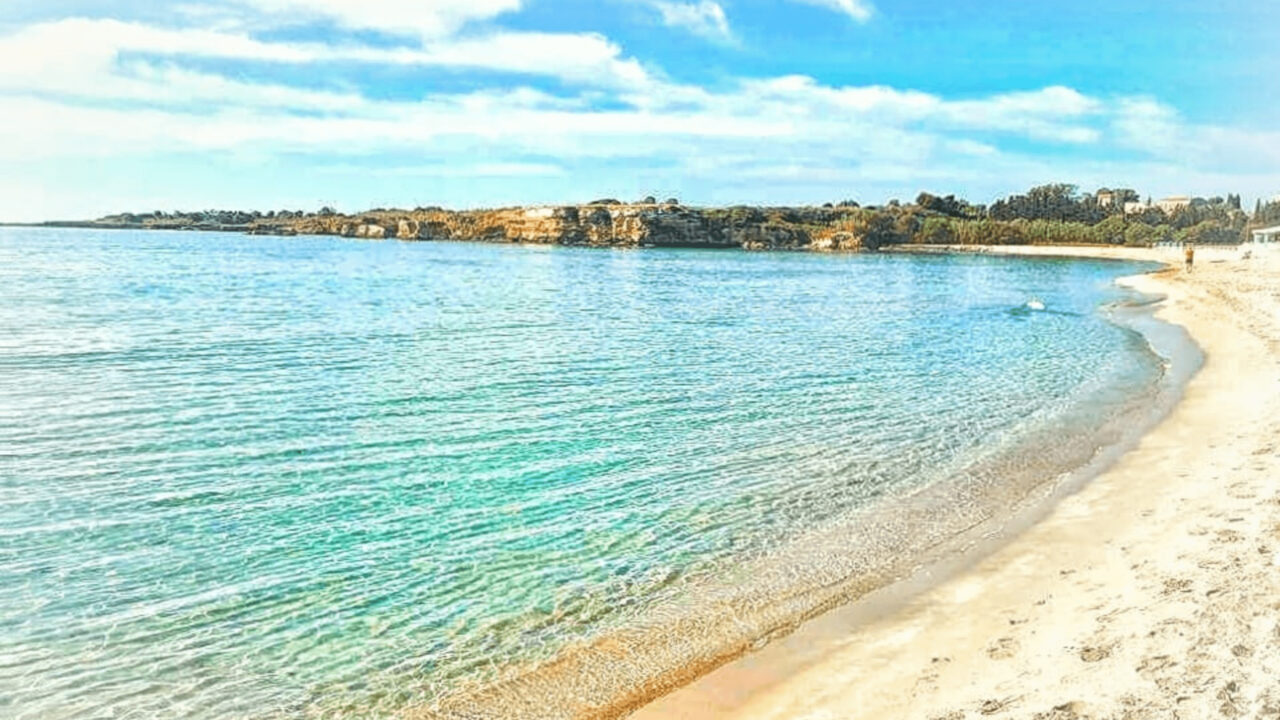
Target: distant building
point(1171, 204)
point(1114, 197)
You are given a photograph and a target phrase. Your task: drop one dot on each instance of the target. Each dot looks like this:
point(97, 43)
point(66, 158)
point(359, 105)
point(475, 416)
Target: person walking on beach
point(1190, 254)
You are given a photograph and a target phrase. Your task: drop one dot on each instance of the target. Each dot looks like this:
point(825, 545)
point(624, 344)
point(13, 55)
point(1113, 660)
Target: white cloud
point(1156, 130)
point(456, 170)
point(581, 58)
point(427, 18)
point(82, 88)
point(704, 18)
point(61, 66)
point(1052, 113)
point(80, 50)
point(860, 10)
point(1146, 124)
point(1055, 114)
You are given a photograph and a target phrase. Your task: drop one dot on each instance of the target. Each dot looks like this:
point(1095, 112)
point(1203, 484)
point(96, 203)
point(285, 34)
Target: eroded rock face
point(373, 232)
point(836, 241)
point(611, 225)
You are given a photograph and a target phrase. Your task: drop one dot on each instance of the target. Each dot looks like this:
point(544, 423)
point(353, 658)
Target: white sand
point(1154, 592)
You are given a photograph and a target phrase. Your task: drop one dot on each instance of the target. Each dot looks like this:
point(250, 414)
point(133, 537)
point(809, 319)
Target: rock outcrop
point(610, 224)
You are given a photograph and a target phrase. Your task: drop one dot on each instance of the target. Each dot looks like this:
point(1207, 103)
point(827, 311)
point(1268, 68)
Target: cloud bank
point(486, 101)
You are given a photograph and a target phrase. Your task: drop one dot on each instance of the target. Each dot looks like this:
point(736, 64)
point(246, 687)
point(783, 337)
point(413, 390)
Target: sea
point(319, 477)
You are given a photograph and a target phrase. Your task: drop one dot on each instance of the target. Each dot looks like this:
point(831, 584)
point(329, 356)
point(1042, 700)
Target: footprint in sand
point(1003, 648)
point(1155, 663)
point(991, 707)
point(1094, 653)
point(1066, 711)
point(1229, 536)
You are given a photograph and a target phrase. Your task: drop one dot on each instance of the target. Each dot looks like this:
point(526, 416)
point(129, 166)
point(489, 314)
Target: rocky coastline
point(606, 223)
point(1046, 215)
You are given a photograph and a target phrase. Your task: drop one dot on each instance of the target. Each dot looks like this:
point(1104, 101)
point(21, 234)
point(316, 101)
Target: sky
point(125, 105)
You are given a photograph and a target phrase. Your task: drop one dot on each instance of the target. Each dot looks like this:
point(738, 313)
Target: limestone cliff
point(606, 225)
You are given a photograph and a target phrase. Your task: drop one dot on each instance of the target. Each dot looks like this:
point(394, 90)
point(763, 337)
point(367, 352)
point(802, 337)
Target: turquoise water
point(320, 477)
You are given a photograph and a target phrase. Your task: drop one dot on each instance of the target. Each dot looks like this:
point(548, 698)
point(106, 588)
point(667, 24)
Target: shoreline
point(866, 609)
point(965, 519)
point(1067, 617)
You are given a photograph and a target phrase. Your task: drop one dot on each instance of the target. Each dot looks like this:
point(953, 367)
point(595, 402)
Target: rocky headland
point(602, 224)
point(617, 225)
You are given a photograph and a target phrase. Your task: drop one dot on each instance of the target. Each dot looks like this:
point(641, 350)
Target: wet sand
point(1153, 592)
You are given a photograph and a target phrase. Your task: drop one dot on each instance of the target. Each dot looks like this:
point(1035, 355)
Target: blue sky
point(124, 105)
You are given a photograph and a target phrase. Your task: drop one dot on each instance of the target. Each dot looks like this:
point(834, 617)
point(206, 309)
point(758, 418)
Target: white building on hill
point(1169, 205)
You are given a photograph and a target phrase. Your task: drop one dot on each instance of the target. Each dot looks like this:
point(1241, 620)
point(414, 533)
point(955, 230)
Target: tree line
point(1060, 214)
point(1056, 213)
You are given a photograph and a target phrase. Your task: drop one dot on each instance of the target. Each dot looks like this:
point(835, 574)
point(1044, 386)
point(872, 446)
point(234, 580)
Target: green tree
point(1112, 230)
point(936, 231)
point(1207, 233)
point(1139, 234)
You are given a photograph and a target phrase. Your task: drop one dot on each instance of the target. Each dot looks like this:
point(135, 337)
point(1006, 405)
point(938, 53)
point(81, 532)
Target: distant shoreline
point(97, 225)
point(806, 229)
point(1054, 214)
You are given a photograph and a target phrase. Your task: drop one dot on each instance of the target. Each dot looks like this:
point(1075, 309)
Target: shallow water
point(313, 476)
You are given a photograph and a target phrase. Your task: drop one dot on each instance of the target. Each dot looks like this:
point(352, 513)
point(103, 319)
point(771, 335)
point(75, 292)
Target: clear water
point(313, 476)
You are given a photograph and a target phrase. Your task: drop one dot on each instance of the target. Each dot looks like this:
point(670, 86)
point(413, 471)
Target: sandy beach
point(1153, 592)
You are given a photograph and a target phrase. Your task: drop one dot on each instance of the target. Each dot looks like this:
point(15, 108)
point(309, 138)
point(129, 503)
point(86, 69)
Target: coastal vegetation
point(1047, 214)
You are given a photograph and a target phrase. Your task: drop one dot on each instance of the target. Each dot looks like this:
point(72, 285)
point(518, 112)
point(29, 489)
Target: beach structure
point(1267, 235)
point(1264, 240)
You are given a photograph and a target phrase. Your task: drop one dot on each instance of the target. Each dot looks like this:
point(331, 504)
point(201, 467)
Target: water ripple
point(325, 478)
